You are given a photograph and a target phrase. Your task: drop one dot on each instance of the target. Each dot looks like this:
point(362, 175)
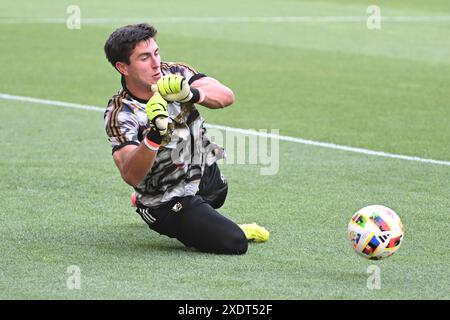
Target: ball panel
point(375, 232)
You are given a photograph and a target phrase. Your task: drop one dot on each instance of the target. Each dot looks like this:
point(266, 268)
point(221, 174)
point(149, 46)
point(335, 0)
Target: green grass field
point(63, 202)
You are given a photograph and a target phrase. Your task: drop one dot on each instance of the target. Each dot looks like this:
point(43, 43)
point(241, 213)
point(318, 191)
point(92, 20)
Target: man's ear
point(122, 68)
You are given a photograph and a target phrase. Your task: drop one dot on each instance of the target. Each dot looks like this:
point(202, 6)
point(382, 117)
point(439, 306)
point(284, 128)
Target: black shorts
point(194, 222)
point(213, 186)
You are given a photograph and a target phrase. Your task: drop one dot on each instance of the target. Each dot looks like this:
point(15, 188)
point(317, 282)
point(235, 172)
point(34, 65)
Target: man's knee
point(234, 243)
point(217, 198)
point(213, 186)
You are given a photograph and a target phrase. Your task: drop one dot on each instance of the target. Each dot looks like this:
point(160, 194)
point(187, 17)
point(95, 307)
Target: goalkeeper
point(160, 145)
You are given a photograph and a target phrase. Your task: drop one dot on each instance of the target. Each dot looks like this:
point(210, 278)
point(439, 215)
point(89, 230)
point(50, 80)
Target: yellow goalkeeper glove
point(174, 87)
point(157, 113)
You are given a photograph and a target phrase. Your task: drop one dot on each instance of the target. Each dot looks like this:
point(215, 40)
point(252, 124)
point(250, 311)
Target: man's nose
point(155, 63)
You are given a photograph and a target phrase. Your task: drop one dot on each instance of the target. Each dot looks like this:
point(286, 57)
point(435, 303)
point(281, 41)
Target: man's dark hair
point(121, 42)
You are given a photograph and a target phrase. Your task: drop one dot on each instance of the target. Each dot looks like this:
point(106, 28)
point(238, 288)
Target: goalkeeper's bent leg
point(196, 224)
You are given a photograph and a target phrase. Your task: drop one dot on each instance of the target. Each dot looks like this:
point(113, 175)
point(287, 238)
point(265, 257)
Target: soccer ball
point(375, 232)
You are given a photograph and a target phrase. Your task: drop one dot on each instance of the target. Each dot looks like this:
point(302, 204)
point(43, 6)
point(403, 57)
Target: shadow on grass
point(137, 238)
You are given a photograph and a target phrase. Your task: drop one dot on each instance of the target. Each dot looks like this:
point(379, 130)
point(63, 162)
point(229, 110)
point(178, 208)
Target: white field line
point(241, 131)
point(280, 19)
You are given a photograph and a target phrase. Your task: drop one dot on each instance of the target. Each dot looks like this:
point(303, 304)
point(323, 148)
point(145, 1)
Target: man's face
point(145, 63)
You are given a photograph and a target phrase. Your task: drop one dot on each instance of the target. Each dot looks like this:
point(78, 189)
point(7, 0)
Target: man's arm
point(205, 91)
point(134, 162)
point(216, 95)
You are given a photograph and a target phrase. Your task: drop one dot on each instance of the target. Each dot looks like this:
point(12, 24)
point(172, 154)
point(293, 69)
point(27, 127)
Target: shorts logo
point(177, 207)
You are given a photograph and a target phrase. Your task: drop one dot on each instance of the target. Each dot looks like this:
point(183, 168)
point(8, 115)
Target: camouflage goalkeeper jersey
point(184, 151)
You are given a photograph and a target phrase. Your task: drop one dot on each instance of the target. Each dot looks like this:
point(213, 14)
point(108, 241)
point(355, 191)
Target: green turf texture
point(63, 201)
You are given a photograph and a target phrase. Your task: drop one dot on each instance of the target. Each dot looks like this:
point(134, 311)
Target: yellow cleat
point(255, 233)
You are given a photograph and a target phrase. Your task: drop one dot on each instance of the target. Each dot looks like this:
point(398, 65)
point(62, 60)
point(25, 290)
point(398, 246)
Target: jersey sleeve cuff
point(196, 77)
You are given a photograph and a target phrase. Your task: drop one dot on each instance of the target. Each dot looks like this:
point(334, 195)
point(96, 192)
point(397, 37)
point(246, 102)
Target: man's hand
point(157, 113)
point(174, 87)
